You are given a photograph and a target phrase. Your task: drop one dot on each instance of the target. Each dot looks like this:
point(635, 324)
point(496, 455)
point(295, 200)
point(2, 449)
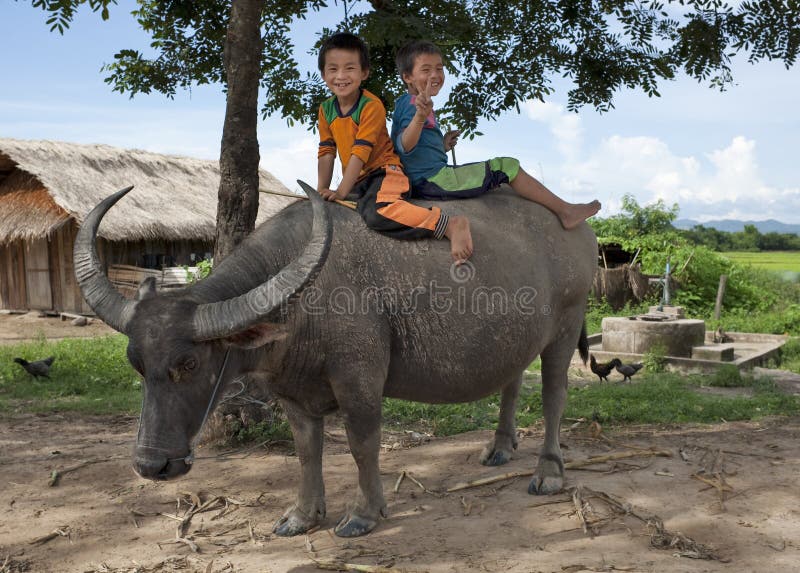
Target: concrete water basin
point(685, 343)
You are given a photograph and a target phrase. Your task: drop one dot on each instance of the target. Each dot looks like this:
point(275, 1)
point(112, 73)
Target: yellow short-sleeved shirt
point(361, 132)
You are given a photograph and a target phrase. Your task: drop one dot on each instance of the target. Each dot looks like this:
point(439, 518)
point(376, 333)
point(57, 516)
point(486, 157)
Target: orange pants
point(382, 205)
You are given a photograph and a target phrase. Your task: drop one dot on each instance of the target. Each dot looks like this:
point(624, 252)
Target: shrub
point(727, 376)
point(655, 360)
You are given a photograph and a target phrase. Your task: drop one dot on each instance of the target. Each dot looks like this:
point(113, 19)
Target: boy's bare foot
point(460, 238)
point(575, 214)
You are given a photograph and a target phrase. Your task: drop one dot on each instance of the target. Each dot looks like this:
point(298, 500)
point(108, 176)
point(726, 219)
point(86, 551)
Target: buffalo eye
point(182, 367)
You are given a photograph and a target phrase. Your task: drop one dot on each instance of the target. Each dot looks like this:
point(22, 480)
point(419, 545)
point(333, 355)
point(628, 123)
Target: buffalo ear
point(258, 335)
point(147, 289)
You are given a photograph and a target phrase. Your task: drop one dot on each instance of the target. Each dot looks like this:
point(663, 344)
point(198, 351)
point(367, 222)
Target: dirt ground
point(728, 492)
point(16, 328)
point(100, 517)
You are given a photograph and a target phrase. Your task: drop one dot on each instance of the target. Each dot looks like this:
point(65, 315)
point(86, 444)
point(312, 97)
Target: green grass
point(790, 356)
point(90, 375)
point(778, 261)
point(654, 399)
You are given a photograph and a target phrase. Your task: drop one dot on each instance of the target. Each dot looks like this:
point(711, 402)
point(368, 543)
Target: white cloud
point(291, 154)
point(722, 183)
point(737, 174)
point(565, 126)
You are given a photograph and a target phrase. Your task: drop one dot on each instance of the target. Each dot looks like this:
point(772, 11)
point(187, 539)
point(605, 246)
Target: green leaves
point(62, 12)
point(636, 223)
point(498, 52)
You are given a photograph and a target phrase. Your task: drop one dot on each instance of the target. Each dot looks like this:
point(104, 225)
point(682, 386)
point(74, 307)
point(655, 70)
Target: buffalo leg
point(358, 389)
point(309, 509)
point(364, 436)
point(549, 475)
point(498, 451)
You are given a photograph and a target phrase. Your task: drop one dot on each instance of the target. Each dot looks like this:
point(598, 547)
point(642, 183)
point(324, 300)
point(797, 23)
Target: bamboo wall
point(40, 275)
point(12, 276)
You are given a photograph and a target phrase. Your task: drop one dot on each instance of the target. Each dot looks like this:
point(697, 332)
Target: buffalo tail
point(583, 345)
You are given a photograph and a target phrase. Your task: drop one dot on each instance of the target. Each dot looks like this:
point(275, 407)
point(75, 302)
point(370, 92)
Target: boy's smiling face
point(343, 73)
point(427, 67)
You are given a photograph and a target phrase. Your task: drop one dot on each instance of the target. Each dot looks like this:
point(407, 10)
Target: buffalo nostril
point(163, 474)
point(175, 468)
point(151, 467)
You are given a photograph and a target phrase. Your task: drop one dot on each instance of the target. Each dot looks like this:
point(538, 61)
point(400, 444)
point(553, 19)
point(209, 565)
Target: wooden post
point(723, 280)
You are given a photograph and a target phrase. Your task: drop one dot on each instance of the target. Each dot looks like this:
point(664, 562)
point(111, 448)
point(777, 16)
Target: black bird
point(628, 370)
point(38, 368)
point(603, 369)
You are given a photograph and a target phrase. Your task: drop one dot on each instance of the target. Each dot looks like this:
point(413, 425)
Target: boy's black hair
point(344, 41)
point(408, 53)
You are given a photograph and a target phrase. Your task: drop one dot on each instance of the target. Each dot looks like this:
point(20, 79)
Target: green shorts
point(465, 181)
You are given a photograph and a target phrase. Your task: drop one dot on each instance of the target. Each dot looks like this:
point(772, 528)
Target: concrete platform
point(749, 350)
point(677, 337)
point(718, 352)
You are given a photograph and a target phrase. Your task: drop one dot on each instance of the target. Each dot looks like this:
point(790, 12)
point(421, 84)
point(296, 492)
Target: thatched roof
point(44, 184)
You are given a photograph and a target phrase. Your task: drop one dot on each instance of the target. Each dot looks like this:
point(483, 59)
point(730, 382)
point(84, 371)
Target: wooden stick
point(723, 280)
point(568, 465)
point(340, 566)
point(580, 505)
point(55, 475)
point(399, 481)
point(60, 532)
point(616, 456)
point(348, 204)
point(489, 480)
point(636, 256)
point(715, 484)
point(416, 481)
point(686, 264)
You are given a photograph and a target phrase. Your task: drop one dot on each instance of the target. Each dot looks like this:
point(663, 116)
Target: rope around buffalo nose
point(189, 459)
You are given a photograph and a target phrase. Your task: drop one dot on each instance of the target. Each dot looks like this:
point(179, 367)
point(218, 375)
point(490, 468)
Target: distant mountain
point(735, 226)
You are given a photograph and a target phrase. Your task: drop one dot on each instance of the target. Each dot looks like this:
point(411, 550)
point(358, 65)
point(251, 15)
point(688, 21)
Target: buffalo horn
point(227, 317)
point(100, 294)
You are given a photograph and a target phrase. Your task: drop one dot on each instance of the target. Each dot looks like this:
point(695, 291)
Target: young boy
point(422, 146)
point(353, 122)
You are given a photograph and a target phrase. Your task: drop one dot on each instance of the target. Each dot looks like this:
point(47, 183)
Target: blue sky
point(718, 155)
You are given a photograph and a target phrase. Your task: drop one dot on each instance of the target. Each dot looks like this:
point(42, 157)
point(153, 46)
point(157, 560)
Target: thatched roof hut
point(48, 187)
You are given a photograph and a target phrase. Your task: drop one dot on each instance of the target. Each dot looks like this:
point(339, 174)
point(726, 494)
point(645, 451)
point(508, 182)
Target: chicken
point(628, 370)
point(38, 368)
point(603, 369)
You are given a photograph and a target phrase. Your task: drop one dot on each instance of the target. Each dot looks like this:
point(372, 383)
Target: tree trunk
point(238, 187)
point(239, 156)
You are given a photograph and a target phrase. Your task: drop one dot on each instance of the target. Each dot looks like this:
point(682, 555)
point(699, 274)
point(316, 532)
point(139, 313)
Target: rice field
point(786, 263)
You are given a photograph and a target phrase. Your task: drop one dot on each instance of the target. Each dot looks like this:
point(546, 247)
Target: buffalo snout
point(158, 466)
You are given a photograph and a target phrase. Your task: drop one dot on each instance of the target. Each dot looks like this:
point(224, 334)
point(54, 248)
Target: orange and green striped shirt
point(361, 132)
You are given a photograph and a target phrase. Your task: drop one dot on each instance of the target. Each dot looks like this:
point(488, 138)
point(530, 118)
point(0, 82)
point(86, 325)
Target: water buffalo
point(333, 316)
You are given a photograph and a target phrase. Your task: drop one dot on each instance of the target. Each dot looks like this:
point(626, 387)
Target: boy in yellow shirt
point(353, 123)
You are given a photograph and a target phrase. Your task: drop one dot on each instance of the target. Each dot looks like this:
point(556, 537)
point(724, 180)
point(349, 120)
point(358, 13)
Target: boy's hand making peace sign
point(423, 102)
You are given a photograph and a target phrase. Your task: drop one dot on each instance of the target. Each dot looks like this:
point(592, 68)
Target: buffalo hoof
point(495, 457)
point(293, 522)
point(498, 451)
point(549, 476)
point(545, 485)
point(354, 526)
